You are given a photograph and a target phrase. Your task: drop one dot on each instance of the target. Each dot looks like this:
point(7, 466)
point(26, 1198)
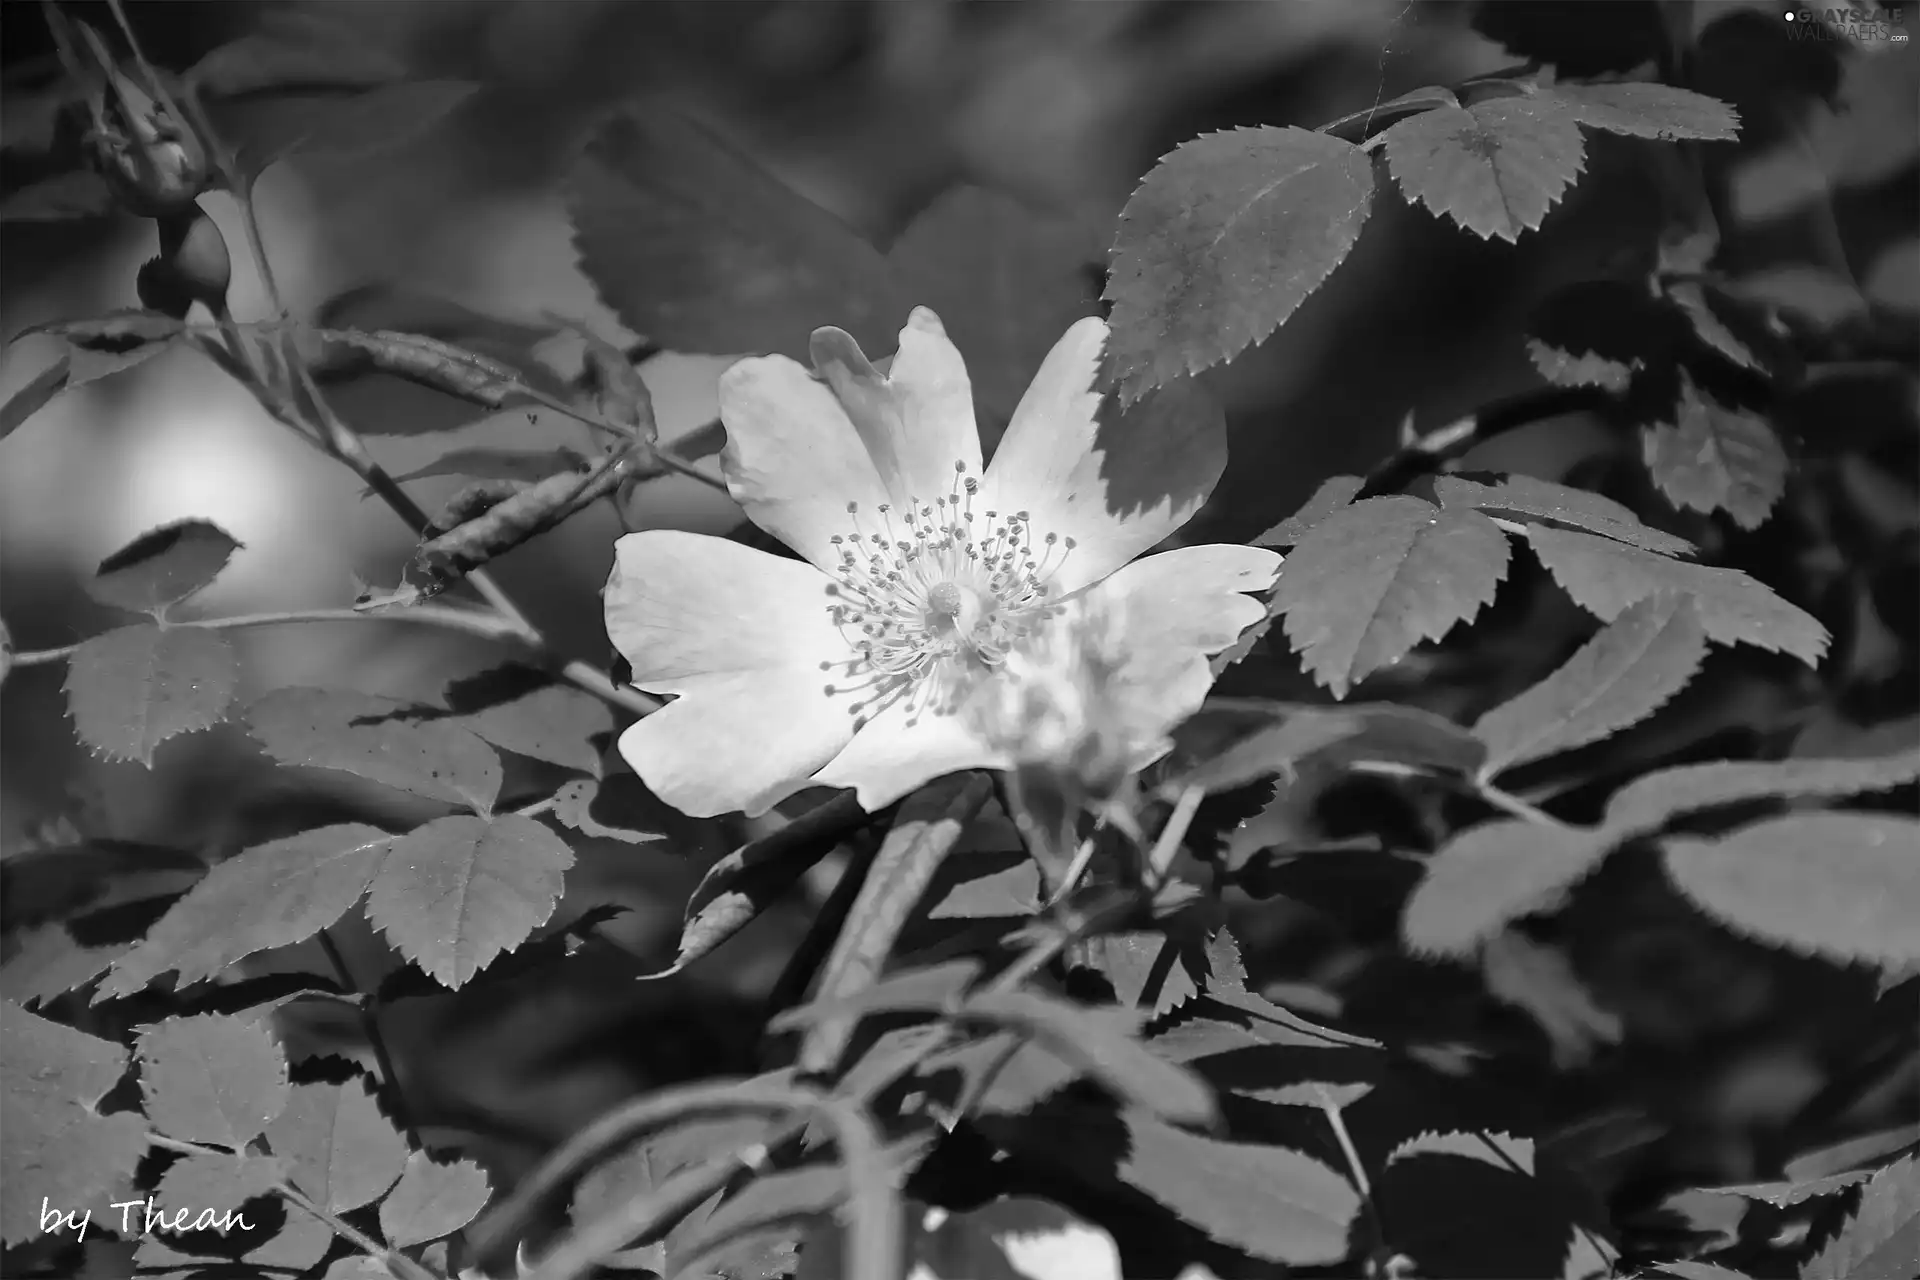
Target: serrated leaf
point(1006, 281)
point(49, 960)
point(1883, 1236)
point(211, 1079)
point(302, 1241)
point(701, 250)
point(1495, 167)
point(1524, 496)
point(372, 738)
point(642, 1167)
point(1374, 579)
point(1493, 873)
point(1650, 800)
point(1715, 458)
point(271, 895)
point(1161, 968)
point(1104, 1046)
point(133, 688)
point(216, 1182)
point(1501, 1150)
point(163, 565)
point(1271, 1202)
point(455, 893)
point(1618, 678)
point(1784, 1195)
point(1221, 243)
point(1605, 578)
point(336, 1145)
point(58, 1148)
point(1564, 368)
point(1840, 885)
point(617, 808)
point(1334, 493)
point(1649, 111)
point(432, 1200)
point(524, 711)
point(1689, 1270)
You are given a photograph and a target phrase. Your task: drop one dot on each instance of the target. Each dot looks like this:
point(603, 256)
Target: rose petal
point(1058, 463)
point(917, 420)
point(1190, 599)
point(685, 608)
point(745, 740)
point(896, 752)
point(793, 459)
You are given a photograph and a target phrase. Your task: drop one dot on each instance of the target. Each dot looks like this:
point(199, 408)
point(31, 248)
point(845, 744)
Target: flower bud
point(193, 266)
point(153, 162)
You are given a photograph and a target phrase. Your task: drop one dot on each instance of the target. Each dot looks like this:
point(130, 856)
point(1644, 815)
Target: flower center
point(932, 596)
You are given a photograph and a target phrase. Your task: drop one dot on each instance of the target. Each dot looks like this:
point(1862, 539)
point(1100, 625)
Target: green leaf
point(1687, 1270)
point(133, 688)
point(163, 566)
point(1839, 885)
point(1006, 281)
point(1334, 493)
point(50, 960)
point(268, 129)
point(617, 808)
point(1161, 968)
point(1523, 497)
point(1883, 1236)
point(271, 895)
point(985, 886)
point(1221, 243)
point(336, 1145)
point(1271, 1202)
point(1715, 458)
point(35, 396)
point(1493, 873)
point(58, 1147)
point(211, 1079)
point(216, 1182)
point(1105, 1047)
point(1374, 579)
point(1501, 1150)
point(1606, 578)
point(1784, 1195)
point(302, 1241)
point(1495, 168)
point(1649, 801)
point(1618, 678)
point(378, 739)
point(455, 893)
point(701, 250)
point(527, 712)
point(642, 1167)
point(1649, 111)
point(294, 50)
point(432, 1200)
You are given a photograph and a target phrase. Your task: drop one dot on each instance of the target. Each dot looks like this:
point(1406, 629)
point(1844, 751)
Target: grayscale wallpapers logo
point(1869, 25)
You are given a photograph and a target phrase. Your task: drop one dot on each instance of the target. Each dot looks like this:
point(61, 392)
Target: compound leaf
point(336, 1145)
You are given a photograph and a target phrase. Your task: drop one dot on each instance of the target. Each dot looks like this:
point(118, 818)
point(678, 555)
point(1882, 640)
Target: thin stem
point(1168, 845)
point(1515, 805)
point(370, 1023)
point(469, 621)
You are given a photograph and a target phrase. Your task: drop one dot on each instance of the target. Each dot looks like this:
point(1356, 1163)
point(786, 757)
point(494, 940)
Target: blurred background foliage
point(871, 109)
